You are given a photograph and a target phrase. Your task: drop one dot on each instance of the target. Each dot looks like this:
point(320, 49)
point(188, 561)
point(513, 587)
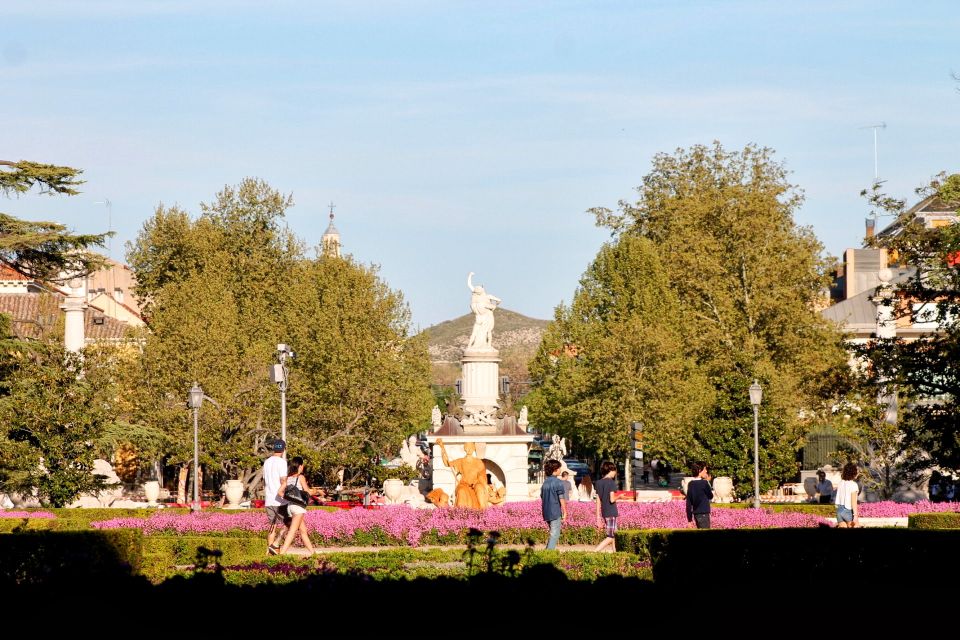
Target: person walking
point(294, 478)
point(699, 495)
point(571, 486)
point(553, 501)
point(824, 488)
point(607, 512)
point(274, 468)
point(848, 513)
point(586, 491)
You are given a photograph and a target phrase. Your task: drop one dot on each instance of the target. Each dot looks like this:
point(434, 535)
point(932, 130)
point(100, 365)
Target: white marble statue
point(483, 305)
point(480, 417)
point(410, 452)
point(522, 420)
point(436, 418)
point(558, 450)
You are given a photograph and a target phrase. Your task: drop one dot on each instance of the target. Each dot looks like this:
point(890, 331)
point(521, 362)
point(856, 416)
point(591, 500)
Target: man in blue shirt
point(554, 502)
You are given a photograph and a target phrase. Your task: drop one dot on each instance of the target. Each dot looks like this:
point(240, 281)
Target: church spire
point(330, 243)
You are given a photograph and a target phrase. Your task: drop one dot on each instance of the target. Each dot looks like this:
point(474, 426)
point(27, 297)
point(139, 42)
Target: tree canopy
point(924, 372)
point(738, 290)
point(44, 250)
point(222, 291)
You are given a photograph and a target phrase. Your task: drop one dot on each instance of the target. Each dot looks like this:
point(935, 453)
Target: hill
point(515, 335)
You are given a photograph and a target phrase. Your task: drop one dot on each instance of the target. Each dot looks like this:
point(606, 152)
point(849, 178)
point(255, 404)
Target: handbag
point(294, 495)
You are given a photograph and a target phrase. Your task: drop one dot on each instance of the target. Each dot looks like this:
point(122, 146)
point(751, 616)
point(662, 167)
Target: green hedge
point(411, 564)
point(163, 554)
point(826, 510)
point(945, 520)
point(47, 558)
point(788, 558)
point(637, 541)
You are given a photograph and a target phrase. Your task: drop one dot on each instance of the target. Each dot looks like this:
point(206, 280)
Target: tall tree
point(51, 418)
point(616, 355)
point(747, 280)
point(223, 291)
point(924, 371)
point(44, 250)
point(214, 290)
point(361, 383)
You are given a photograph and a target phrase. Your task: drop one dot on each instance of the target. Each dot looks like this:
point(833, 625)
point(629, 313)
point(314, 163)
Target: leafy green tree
point(214, 289)
point(925, 371)
point(223, 291)
point(51, 418)
point(616, 355)
point(747, 280)
point(44, 250)
point(361, 381)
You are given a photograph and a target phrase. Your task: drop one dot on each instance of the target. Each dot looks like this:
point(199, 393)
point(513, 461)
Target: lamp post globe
point(756, 397)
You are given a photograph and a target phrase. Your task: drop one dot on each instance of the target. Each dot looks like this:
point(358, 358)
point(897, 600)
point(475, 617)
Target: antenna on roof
point(876, 166)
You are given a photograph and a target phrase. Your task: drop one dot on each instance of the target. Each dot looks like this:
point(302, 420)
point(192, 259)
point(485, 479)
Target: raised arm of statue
point(443, 452)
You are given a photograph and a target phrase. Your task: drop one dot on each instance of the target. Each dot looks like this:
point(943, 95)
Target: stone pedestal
point(73, 318)
point(481, 380)
point(504, 456)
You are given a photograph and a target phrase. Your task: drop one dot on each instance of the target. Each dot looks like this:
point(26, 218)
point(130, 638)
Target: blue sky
point(468, 136)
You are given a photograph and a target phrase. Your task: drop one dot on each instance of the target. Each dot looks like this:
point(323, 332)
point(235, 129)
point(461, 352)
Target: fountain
point(501, 442)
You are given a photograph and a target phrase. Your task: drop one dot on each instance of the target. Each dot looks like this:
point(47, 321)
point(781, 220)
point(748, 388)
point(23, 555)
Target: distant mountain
point(514, 334)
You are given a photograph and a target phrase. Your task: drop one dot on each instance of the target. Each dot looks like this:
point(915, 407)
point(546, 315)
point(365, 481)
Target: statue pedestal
point(504, 456)
point(481, 379)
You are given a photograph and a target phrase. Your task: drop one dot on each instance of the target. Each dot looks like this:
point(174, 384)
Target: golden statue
point(439, 498)
point(495, 495)
point(471, 488)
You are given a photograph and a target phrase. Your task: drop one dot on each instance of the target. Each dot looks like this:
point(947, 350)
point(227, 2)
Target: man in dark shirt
point(606, 500)
point(699, 495)
point(553, 498)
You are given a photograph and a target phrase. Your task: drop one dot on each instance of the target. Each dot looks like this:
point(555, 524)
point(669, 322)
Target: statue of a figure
point(558, 450)
point(482, 304)
point(522, 420)
point(410, 452)
point(480, 417)
point(471, 489)
point(436, 419)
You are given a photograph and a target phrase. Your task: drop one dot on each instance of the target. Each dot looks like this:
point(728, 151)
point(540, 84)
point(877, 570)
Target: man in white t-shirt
point(274, 468)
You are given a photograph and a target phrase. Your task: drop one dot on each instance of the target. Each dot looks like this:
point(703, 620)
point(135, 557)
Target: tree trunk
point(182, 484)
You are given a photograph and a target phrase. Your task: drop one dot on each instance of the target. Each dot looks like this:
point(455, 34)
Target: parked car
point(579, 467)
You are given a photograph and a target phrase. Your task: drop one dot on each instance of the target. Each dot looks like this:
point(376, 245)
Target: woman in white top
point(586, 491)
point(846, 501)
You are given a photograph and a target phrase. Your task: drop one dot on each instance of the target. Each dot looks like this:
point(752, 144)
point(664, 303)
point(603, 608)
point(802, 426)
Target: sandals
point(273, 550)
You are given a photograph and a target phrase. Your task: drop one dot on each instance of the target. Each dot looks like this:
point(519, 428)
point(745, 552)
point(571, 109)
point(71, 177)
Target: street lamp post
point(194, 402)
point(278, 374)
point(756, 396)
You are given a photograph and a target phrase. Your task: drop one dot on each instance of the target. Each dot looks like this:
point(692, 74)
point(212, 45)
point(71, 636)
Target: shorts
point(278, 515)
point(296, 510)
point(610, 526)
point(844, 514)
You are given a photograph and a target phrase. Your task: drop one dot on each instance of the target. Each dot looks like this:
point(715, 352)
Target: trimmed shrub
point(825, 510)
point(944, 520)
point(786, 558)
point(69, 558)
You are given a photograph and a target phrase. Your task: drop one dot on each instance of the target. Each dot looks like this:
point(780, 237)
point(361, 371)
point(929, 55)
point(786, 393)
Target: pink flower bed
point(27, 514)
point(411, 524)
point(890, 509)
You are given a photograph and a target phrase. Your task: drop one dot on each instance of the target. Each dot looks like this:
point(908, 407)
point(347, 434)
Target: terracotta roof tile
point(36, 315)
